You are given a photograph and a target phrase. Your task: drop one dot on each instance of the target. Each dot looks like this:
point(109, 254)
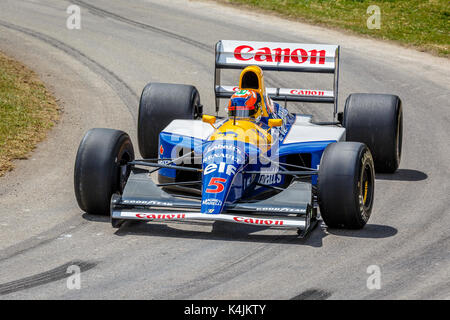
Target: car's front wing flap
point(268, 221)
point(143, 200)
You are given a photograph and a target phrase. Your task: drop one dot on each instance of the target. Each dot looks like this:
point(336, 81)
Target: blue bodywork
point(224, 163)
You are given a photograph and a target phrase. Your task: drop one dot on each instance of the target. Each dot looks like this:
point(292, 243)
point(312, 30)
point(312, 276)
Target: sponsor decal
point(220, 155)
point(275, 209)
point(283, 114)
point(307, 92)
point(212, 202)
point(280, 55)
point(163, 216)
point(148, 203)
point(164, 161)
point(228, 169)
point(241, 93)
point(270, 178)
point(258, 221)
point(228, 152)
point(228, 133)
point(161, 149)
point(223, 147)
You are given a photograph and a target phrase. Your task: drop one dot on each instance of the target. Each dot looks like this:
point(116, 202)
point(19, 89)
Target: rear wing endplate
point(276, 56)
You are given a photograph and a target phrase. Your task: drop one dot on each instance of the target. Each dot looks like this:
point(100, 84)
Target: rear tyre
point(160, 104)
point(377, 121)
point(346, 185)
point(101, 168)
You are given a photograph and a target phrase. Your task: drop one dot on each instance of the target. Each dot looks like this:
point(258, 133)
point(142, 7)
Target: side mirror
point(209, 119)
point(275, 123)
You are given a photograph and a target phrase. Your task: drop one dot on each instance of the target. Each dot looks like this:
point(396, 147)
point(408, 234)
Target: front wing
point(143, 200)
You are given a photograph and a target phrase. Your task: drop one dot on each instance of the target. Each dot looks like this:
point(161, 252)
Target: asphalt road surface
point(98, 72)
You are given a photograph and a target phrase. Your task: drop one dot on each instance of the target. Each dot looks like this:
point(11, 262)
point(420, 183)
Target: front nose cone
point(222, 160)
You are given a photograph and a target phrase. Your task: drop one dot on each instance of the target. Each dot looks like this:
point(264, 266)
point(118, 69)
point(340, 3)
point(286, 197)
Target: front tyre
point(101, 168)
point(346, 185)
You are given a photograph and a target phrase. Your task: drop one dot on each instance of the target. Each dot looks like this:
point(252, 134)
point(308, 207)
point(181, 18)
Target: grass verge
point(422, 24)
point(27, 112)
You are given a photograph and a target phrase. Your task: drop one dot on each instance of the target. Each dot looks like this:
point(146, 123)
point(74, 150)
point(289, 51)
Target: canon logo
point(265, 54)
point(258, 221)
point(160, 216)
point(307, 92)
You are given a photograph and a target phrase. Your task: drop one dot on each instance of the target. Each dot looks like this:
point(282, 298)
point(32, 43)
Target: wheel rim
point(123, 169)
point(366, 188)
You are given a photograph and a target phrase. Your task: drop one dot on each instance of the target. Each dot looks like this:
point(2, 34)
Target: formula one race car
point(261, 165)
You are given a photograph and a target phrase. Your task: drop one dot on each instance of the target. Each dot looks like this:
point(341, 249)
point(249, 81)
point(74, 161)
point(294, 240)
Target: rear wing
point(275, 56)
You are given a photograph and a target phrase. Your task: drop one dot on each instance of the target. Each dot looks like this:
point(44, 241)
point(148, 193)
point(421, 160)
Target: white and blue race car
point(261, 165)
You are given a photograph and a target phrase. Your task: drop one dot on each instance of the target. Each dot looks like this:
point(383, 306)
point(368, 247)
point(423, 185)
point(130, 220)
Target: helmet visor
point(241, 111)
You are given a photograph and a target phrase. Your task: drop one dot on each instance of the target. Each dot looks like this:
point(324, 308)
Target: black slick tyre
point(377, 121)
point(161, 103)
point(346, 185)
point(100, 168)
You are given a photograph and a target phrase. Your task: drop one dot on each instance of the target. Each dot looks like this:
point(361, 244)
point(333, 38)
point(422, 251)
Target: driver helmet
point(245, 104)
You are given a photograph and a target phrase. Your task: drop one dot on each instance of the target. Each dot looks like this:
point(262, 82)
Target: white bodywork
point(304, 131)
point(190, 128)
point(301, 131)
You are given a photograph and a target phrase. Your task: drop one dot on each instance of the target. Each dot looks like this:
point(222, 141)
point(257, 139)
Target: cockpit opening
point(250, 81)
